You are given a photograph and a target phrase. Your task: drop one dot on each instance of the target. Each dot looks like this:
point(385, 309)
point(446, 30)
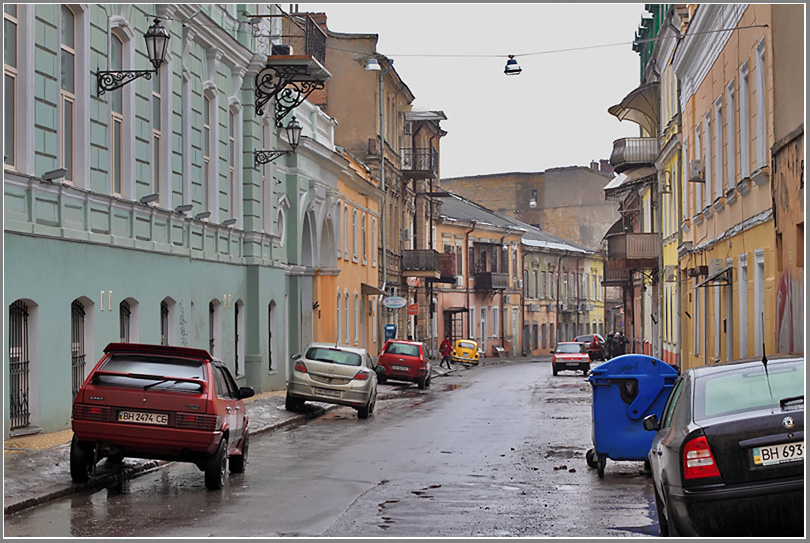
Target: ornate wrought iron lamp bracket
point(290, 84)
point(263, 157)
point(112, 80)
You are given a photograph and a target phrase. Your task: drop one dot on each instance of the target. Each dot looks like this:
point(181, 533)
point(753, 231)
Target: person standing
point(444, 349)
point(610, 344)
point(620, 341)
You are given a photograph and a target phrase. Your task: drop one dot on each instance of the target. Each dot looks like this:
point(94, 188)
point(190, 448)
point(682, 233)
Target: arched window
point(356, 319)
point(363, 234)
point(346, 232)
point(354, 235)
point(117, 119)
point(346, 317)
point(373, 241)
point(338, 317)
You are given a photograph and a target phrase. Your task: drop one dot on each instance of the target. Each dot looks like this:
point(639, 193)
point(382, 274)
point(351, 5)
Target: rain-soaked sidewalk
point(36, 468)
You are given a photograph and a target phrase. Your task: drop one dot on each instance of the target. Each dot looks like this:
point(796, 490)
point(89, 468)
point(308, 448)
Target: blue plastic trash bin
point(626, 389)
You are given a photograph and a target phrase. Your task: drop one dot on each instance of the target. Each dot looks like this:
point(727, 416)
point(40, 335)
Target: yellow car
point(464, 351)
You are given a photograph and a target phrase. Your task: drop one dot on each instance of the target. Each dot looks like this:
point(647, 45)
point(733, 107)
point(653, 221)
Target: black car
point(728, 455)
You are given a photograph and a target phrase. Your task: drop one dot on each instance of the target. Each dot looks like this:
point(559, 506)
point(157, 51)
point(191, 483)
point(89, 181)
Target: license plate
point(778, 454)
point(400, 368)
point(465, 355)
point(327, 392)
point(161, 419)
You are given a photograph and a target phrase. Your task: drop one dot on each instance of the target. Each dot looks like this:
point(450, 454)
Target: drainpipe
point(557, 308)
point(467, 275)
point(524, 348)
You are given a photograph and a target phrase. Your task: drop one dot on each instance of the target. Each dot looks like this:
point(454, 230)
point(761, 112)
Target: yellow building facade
point(727, 263)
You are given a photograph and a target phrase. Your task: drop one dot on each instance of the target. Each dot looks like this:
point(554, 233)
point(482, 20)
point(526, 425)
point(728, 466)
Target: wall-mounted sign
point(394, 302)
point(413, 309)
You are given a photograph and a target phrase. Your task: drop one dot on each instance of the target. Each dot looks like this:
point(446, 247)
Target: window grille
point(18, 365)
point(77, 345)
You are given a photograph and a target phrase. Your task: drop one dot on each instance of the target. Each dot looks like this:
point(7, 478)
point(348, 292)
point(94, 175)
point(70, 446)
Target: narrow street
point(493, 451)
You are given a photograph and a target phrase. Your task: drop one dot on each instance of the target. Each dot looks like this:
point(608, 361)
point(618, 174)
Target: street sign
point(413, 309)
point(394, 302)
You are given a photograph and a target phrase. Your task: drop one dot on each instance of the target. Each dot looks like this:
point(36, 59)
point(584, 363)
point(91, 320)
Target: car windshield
point(403, 349)
point(572, 348)
point(466, 345)
point(151, 372)
point(747, 389)
point(334, 356)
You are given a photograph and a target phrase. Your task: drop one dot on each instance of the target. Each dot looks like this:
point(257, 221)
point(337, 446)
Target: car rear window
point(403, 349)
point(747, 389)
point(151, 372)
point(572, 348)
point(466, 345)
point(335, 356)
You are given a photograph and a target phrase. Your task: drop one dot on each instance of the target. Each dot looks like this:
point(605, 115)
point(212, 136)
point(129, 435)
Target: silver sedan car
point(334, 374)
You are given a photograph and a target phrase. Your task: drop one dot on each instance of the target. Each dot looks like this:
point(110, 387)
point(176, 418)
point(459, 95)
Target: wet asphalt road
point(495, 451)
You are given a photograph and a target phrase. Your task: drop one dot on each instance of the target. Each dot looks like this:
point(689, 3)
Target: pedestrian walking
point(621, 341)
point(610, 344)
point(444, 349)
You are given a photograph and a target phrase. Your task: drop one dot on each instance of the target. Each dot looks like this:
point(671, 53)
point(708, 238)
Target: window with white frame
point(339, 226)
point(759, 301)
point(762, 117)
point(543, 284)
point(232, 193)
point(731, 154)
point(206, 152)
point(156, 133)
point(698, 156)
point(67, 92)
point(10, 46)
point(742, 294)
point(684, 181)
point(356, 319)
point(346, 232)
point(346, 317)
point(707, 159)
point(745, 123)
point(373, 241)
point(533, 292)
point(354, 235)
point(338, 316)
point(495, 322)
point(364, 238)
point(116, 119)
point(718, 155)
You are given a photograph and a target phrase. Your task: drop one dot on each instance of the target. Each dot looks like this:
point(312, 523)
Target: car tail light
point(361, 376)
point(193, 421)
point(300, 367)
point(91, 412)
point(698, 461)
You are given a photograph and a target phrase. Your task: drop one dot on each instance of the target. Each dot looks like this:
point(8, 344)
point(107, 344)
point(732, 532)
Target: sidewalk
point(36, 468)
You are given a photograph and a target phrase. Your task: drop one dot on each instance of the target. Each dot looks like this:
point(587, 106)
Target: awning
point(723, 277)
point(628, 180)
point(368, 290)
point(454, 310)
point(642, 106)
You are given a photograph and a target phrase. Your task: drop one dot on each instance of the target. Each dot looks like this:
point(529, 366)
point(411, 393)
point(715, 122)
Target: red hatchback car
point(404, 361)
point(162, 403)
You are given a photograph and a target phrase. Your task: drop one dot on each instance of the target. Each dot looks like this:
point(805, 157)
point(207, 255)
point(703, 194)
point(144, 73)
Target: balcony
point(420, 263)
point(616, 277)
point(633, 250)
point(420, 163)
point(631, 152)
point(491, 281)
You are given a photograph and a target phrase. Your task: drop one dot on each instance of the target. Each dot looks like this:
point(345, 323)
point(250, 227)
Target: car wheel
point(663, 524)
point(292, 404)
point(382, 379)
point(427, 383)
point(554, 369)
point(81, 461)
point(362, 412)
point(590, 458)
point(672, 528)
point(421, 382)
point(215, 470)
point(237, 462)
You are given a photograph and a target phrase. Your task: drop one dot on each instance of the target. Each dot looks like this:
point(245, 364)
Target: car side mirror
point(245, 392)
point(650, 423)
point(552, 351)
point(295, 357)
point(379, 368)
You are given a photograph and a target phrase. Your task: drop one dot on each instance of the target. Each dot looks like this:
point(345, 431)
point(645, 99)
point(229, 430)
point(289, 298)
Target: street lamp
point(512, 66)
point(157, 43)
point(264, 156)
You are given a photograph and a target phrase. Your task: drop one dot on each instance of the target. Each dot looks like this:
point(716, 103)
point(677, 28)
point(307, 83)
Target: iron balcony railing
point(633, 246)
point(420, 260)
point(491, 281)
point(422, 162)
point(629, 152)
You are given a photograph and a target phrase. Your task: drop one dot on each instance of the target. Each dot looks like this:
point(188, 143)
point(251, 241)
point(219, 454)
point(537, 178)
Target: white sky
point(554, 114)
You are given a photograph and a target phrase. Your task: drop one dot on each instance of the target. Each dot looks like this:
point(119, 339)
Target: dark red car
point(404, 361)
point(596, 345)
point(162, 403)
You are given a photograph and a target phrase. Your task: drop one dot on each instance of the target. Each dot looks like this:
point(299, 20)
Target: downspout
point(523, 288)
point(508, 230)
point(557, 308)
point(467, 276)
point(381, 326)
